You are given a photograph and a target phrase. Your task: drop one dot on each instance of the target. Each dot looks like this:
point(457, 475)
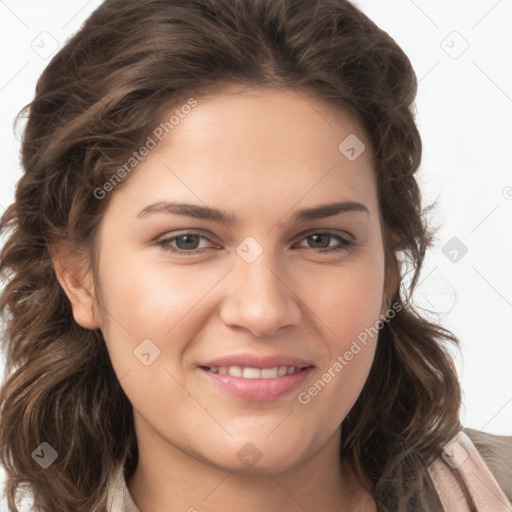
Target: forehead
point(249, 118)
point(268, 148)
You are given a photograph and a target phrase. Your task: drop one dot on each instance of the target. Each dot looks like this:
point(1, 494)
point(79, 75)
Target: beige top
point(464, 481)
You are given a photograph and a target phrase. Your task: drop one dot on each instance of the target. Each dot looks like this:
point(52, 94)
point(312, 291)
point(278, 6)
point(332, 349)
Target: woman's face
point(201, 339)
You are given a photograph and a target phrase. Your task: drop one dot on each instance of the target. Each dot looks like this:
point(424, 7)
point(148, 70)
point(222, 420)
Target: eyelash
point(346, 244)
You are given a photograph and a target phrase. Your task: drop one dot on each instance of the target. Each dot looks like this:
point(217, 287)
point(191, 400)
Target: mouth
point(256, 384)
point(248, 372)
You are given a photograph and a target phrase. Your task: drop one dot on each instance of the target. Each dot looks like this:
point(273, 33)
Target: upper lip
point(257, 361)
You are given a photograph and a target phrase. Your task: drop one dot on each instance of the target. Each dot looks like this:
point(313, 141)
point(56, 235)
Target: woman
point(275, 363)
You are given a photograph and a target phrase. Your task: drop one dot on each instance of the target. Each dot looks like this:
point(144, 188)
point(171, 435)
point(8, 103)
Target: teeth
point(251, 373)
point(269, 373)
point(235, 371)
point(255, 373)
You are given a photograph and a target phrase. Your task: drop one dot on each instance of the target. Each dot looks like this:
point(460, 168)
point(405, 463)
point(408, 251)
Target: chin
point(275, 465)
point(259, 456)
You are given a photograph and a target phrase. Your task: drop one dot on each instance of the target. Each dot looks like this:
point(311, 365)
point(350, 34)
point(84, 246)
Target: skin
point(261, 155)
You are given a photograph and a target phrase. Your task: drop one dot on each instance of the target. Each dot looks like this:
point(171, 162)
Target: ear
point(71, 269)
point(392, 278)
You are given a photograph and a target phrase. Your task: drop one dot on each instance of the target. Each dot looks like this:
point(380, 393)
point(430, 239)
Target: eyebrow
point(207, 213)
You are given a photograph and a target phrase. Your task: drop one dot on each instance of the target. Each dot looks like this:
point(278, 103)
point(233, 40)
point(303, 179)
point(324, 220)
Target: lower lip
point(258, 389)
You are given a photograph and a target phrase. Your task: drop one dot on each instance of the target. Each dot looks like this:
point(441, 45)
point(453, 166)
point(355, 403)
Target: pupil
point(316, 237)
point(189, 238)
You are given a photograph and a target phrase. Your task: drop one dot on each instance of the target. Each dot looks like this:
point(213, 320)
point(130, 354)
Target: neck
point(169, 480)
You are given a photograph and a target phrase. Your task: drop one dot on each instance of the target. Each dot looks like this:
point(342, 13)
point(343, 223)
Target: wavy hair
point(95, 103)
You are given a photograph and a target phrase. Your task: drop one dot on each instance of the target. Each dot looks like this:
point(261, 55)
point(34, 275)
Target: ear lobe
point(70, 266)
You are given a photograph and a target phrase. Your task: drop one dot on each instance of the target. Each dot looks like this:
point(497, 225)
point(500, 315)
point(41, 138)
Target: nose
point(260, 297)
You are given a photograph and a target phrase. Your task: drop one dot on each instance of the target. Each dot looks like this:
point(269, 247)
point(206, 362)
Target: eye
point(321, 237)
point(187, 243)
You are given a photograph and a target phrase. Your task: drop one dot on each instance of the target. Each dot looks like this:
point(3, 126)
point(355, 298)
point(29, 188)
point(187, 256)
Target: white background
point(464, 115)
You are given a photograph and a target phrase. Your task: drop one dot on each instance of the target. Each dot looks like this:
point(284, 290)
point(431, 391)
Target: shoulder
point(496, 451)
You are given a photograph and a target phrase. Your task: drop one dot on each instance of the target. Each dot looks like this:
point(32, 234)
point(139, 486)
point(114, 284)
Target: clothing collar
point(119, 497)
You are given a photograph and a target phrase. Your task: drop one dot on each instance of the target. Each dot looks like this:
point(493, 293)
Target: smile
point(256, 384)
point(255, 373)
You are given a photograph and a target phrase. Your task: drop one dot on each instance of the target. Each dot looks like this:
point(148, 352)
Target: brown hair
point(95, 103)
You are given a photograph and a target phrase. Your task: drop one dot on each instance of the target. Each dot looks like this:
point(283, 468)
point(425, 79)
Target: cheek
point(351, 301)
point(145, 306)
point(351, 307)
point(147, 299)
